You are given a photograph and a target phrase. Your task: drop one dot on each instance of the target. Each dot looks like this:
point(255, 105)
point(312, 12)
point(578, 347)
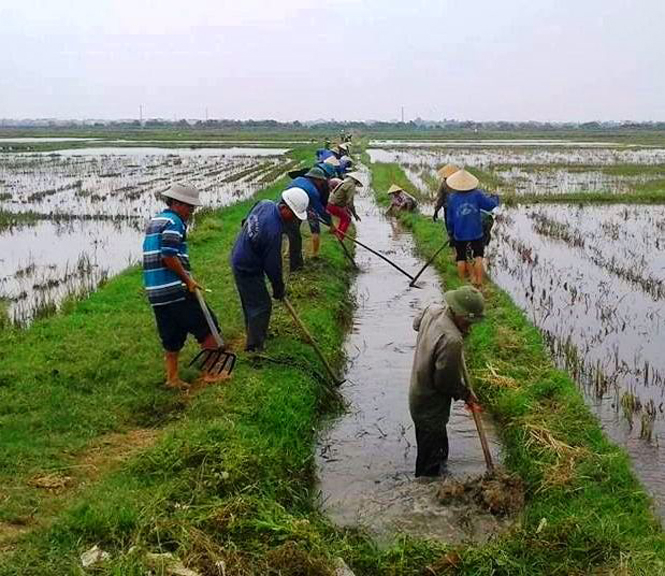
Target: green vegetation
point(586, 512)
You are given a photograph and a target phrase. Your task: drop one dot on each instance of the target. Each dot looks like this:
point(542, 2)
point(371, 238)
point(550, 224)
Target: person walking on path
point(169, 282)
point(436, 375)
point(257, 253)
point(341, 202)
point(315, 184)
point(464, 222)
point(443, 191)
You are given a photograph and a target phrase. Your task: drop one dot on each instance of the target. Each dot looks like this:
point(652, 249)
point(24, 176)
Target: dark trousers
point(432, 449)
point(256, 307)
point(295, 244)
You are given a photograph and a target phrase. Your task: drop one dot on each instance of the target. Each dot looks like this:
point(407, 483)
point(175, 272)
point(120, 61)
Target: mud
point(366, 458)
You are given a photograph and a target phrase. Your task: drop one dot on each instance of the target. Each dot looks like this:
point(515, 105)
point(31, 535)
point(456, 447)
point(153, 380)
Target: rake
point(213, 361)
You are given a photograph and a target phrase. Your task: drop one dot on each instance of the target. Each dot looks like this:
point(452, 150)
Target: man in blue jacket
point(315, 184)
point(464, 222)
point(258, 252)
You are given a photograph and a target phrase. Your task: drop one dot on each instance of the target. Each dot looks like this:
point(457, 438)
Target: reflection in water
point(593, 279)
point(367, 457)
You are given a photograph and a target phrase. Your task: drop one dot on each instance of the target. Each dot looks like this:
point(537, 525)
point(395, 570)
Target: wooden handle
point(208, 317)
point(311, 340)
point(479, 422)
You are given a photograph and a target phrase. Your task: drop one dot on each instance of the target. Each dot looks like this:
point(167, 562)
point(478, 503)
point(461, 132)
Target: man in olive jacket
point(436, 376)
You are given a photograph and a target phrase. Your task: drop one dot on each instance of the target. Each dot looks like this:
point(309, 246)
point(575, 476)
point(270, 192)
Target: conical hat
point(447, 170)
point(395, 188)
point(355, 176)
point(462, 181)
point(331, 160)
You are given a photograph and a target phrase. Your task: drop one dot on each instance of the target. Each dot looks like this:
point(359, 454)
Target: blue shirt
point(315, 202)
point(258, 248)
point(323, 153)
point(165, 235)
point(463, 213)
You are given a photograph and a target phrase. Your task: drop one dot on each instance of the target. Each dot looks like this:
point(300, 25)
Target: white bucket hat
point(183, 193)
point(355, 176)
point(298, 200)
point(331, 160)
point(462, 181)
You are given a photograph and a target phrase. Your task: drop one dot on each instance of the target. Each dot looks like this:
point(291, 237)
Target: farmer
point(400, 200)
point(169, 283)
point(464, 222)
point(436, 375)
point(341, 202)
point(258, 251)
point(443, 191)
point(345, 165)
point(315, 183)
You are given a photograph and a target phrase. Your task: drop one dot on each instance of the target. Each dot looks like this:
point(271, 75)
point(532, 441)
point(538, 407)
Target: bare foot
point(176, 384)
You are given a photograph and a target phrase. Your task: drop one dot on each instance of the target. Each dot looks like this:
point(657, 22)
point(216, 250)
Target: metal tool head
point(215, 361)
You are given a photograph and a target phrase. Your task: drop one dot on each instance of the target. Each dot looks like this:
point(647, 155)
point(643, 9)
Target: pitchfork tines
point(215, 361)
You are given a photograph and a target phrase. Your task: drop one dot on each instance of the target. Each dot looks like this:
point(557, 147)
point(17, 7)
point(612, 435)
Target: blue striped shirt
point(165, 235)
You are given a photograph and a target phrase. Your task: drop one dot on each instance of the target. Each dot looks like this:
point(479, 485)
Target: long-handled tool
point(427, 264)
point(479, 423)
point(347, 253)
point(313, 343)
point(354, 240)
point(213, 361)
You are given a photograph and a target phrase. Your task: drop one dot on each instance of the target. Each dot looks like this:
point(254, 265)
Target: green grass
point(597, 515)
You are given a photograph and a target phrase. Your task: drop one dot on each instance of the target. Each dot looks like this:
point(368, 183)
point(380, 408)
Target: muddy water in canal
point(593, 280)
point(366, 458)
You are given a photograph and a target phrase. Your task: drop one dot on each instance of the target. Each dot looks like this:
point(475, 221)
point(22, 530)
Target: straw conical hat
point(462, 181)
point(344, 146)
point(447, 170)
point(332, 160)
point(355, 176)
point(395, 188)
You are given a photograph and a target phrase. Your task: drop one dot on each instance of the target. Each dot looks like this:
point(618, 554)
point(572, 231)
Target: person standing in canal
point(257, 253)
point(464, 222)
point(169, 282)
point(436, 375)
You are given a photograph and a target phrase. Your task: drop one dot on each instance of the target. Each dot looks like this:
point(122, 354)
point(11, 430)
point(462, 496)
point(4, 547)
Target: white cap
point(298, 200)
point(183, 193)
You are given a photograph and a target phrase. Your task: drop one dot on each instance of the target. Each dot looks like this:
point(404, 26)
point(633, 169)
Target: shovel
point(313, 343)
point(213, 361)
point(479, 422)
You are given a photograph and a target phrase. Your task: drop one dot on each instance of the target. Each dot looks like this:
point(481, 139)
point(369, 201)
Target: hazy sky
point(298, 59)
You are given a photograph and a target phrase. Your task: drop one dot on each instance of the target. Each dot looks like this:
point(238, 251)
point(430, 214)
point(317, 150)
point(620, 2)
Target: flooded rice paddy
point(536, 170)
point(366, 458)
point(593, 280)
point(69, 220)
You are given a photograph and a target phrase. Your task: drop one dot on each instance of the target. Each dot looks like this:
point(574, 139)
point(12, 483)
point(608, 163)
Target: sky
point(515, 60)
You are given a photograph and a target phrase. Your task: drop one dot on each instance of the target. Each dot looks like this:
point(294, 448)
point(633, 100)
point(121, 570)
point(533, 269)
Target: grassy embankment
point(95, 451)
point(586, 512)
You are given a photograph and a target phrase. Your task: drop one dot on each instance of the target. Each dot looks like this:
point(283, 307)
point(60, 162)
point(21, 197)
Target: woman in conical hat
point(443, 191)
point(464, 222)
point(400, 199)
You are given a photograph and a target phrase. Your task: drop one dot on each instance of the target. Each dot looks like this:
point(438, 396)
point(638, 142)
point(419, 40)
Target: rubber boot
point(316, 245)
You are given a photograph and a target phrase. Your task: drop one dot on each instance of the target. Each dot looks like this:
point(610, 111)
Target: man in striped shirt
point(169, 283)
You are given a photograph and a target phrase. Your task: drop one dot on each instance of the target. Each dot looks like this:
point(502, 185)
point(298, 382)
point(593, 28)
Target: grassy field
point(586, 512)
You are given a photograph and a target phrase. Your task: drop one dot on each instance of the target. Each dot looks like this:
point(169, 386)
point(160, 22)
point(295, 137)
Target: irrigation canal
point(366, 458)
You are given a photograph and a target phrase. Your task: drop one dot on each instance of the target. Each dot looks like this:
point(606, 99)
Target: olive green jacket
point(344, 195)
point(436, 375)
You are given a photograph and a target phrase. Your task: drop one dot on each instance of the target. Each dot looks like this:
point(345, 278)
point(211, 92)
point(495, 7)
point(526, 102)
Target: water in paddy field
point(71, 221)
point(593, 280)
point(366, 458)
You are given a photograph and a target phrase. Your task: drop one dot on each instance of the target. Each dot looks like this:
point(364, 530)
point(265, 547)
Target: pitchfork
point(213, 361)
